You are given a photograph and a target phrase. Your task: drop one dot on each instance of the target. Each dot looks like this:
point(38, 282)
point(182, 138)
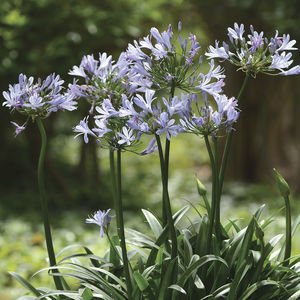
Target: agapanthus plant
point(111, 131)
point(255, 53)
point(36, 101)
point(203, 260)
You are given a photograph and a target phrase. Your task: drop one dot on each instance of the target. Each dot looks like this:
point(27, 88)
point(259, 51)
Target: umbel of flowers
point(156, 88)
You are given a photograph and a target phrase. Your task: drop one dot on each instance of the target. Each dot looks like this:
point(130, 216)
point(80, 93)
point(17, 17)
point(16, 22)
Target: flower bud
point(179, 26)
point(201, 188)
point(283, 186)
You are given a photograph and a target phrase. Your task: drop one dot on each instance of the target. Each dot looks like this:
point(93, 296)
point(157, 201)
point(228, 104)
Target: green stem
point(44, 204)
point(166, 198)
point(216, 188)
point(229, 139)
point(213, 200)
point(166, 160)
point(113, 175)
point(120, 225)
point(288, 231)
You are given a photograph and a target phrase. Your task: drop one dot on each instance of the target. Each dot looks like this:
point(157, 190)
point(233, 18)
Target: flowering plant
point(137, 96)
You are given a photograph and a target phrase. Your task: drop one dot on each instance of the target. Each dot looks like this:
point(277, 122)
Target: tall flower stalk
point(44, 204)
point(166, 198)
point(37, 100)
point(120, 220)
point(217, 186)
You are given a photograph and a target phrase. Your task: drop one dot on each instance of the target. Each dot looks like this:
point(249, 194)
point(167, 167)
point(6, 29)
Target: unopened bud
point(283, 186)
point(201, 188)
point(179, 26)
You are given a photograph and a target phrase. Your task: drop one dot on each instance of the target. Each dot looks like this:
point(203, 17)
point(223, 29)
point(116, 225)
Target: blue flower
point(100, 218)
point(126, 137)
point(161, 65)
point(84, 129)
point(257, 54)
point(38, 99)
point(19, 128)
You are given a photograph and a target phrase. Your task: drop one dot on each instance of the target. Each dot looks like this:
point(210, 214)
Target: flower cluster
point(156, 63)
point(111, 129)
point(206, 121)
point(257, 54)
point(38, 99)
point(121, 125)
point(103, 80)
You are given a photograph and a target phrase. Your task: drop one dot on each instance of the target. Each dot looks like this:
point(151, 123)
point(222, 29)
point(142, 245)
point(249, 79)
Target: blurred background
point(39, 37)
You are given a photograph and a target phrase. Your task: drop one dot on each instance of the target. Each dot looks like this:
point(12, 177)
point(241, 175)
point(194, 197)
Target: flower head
point(37, 99)
point(155, 62)
point(205, 120)
point(100, 218)
point(103, 80)
point(256, 54)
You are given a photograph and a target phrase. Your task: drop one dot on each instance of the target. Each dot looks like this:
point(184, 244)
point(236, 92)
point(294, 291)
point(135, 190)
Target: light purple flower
point(281, 61)
point(106, 110)
point(256, 41)
point(145, 103)
point(293, 71)
point(19, 128)
point(126, 137)
point(100, 218)
point(83, 129)
point(101, 128)
point(150, 148)
point(287, 44)
point(217, 52)
point(237, 32)
point(38, 99)
point(256, 54)
point(167, 126)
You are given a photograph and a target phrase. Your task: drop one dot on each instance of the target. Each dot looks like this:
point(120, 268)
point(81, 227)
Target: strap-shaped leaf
point(254, 287)
point(196, 265)
point(167, 279)
point(153, 223)
point(87, 294)
point(25, 283)
point(177, 288)
point(141, 281)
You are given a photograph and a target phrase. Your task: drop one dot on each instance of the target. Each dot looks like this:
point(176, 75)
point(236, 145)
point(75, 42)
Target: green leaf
point(25, 283)
point(158, 243)
point(246, 242)
point(167, 280)
point(196, 265)
point(235, 284)
point(140, 280)
point(232, 223)
point(159, 256)
point(114, 256)
point(295, 296)
point(254, 287)
point(198, 283)
point(153, 223)
point(179, 214)
point(87, 294)
point(177, 288)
